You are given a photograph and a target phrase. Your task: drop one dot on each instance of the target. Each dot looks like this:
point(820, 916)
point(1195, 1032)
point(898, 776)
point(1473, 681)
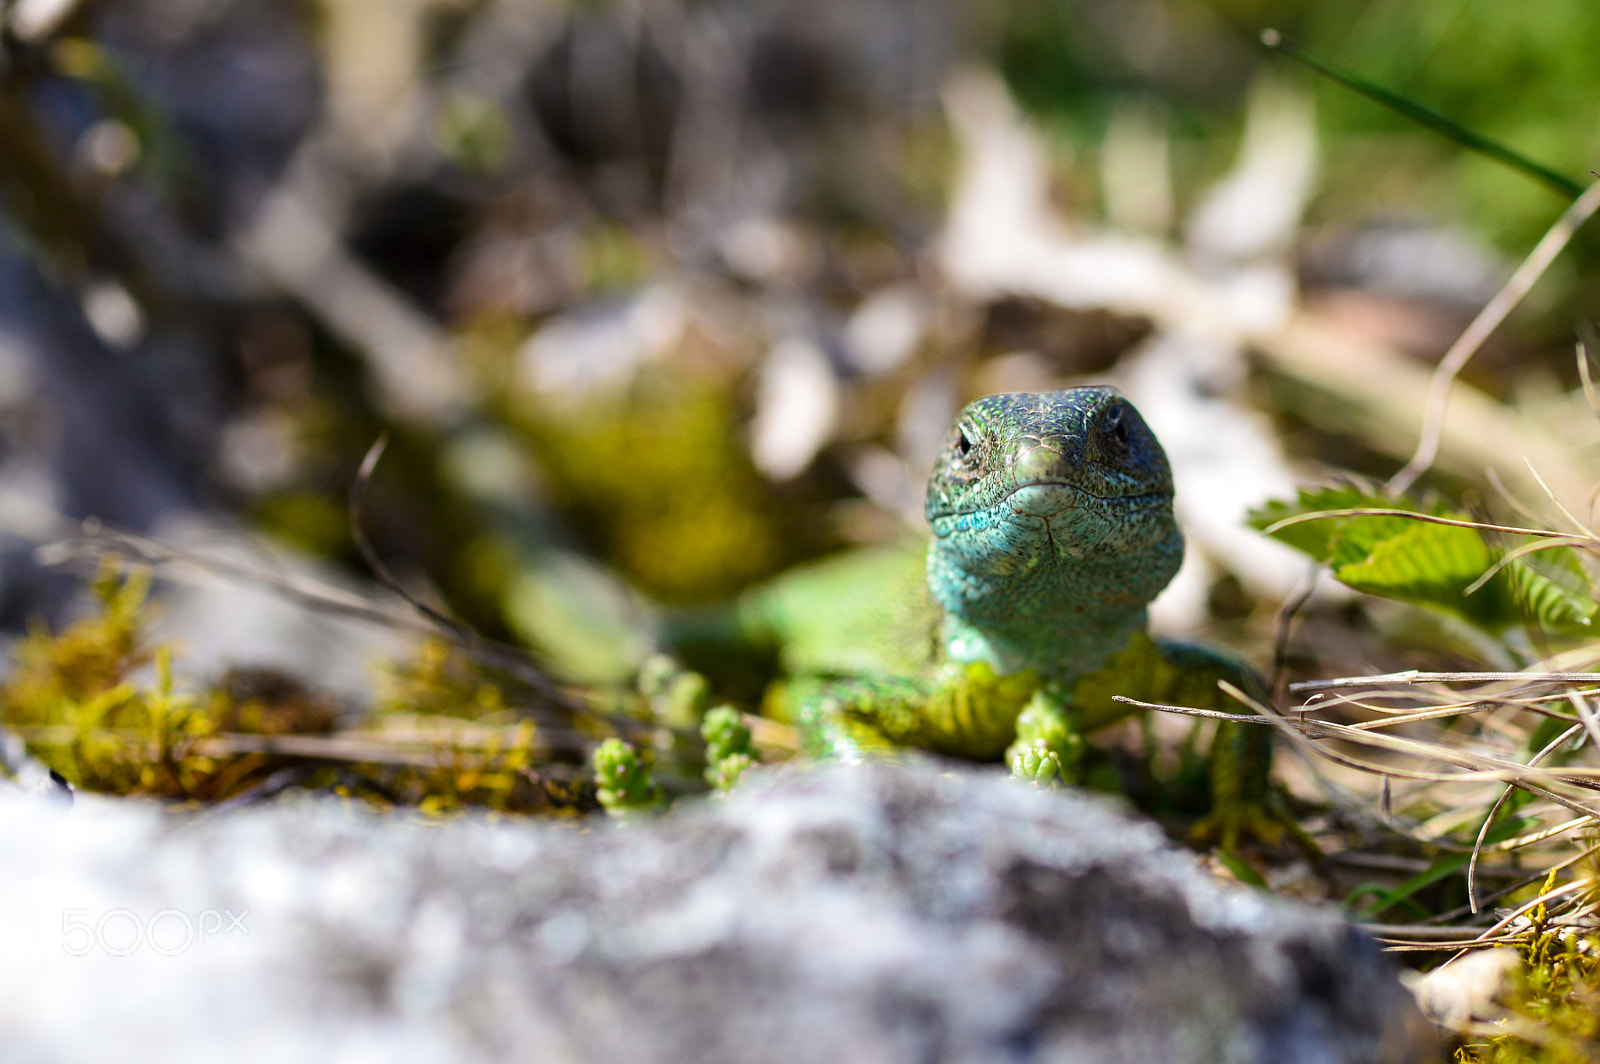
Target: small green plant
point(728, 749)
point(1046, 750)
point(625, 785)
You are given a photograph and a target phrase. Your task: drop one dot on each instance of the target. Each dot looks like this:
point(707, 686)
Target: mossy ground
point(99, 704)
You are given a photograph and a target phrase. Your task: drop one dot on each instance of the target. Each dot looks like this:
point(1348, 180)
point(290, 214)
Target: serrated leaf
point(1356, 538)
point(1311, 537)
point(1557, 595)
point(1431, 564)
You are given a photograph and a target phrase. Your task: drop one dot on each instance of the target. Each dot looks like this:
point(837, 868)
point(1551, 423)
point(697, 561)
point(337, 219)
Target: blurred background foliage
point(1514, 77)
point(677, 290)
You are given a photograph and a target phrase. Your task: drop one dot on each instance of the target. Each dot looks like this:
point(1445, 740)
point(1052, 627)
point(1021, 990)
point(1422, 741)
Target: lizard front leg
point(1238, 765)
point(968, 711)
point(1243, 802)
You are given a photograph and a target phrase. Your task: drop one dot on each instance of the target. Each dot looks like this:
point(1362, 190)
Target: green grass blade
point(1565, 186)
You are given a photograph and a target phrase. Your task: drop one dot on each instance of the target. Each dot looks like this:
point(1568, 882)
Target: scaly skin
point(1052, 530)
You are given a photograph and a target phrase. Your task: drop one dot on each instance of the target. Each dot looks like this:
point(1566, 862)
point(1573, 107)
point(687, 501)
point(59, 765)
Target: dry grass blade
point(1510, 294)
point(1517, 842)
point(1389, 716)
point(1188, 711)
point(1542, 783)
point(1584, 531)
point(1584, 542)
point(1494, 810)
point(1412, 676)
point(1474, 767)
point(501, 657)
point(1586, 375)
point(358, 496)
point(1397, 718)
point(1499, 485)
point(1414, 932)
point(1544, 898)
point(1432, 519)
point(100, 542)
point(1285, 625)
point(1586, 714)
point(1452, 763)
point(427, 747)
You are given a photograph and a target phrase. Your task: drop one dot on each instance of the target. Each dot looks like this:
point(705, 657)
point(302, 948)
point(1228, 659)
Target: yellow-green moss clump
point(456, 743)
point(99, 705)
point(660, 481)
point(1552, 1002)
point(75, 699)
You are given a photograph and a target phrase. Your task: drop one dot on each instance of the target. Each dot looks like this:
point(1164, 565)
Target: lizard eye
point(963, 443)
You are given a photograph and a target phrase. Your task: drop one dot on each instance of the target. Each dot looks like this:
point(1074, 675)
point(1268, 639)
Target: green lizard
point(1007, 635)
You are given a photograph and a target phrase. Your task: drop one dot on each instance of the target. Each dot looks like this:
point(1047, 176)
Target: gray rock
point(845, 914)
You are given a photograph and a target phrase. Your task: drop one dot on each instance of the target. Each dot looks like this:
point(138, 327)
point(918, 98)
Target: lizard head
point(1050, 512)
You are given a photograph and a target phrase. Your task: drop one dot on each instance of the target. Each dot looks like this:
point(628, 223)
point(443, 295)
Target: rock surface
point(845, 914)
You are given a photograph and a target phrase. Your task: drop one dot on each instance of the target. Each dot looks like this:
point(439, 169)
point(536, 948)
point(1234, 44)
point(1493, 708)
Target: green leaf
point(1552, 588)
point(1432, 565)
point(1384, 898)
point(1310, 537)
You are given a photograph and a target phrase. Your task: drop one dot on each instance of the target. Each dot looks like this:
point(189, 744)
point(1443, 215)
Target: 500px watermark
point(168, 932)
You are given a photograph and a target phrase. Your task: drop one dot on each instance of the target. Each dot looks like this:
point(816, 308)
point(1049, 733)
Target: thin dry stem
point(1510, 294)
point(1477, 846)
point(1586, 375)
point(1583, 530)
point(1432, 519)
point(1586, 542)
point(1585, 713)
point(1411, 676)
point(1527, 907)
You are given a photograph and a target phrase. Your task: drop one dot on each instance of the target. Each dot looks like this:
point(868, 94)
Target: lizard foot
point(1048, 745)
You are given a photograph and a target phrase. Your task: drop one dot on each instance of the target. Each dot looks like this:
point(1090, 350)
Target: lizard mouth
point(1049, 498)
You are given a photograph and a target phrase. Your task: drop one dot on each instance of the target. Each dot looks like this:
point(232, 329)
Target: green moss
point(494, 773)
point(661, 483)
point(612, 259)
point(442, 738)
point(76, 698)
point(437, 681)
point(88, 659)
point(1552, 1001)
point(309, 519)
point(456, 740)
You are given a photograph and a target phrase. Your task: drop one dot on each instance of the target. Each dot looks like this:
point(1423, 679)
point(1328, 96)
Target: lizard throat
point(1058, 593)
